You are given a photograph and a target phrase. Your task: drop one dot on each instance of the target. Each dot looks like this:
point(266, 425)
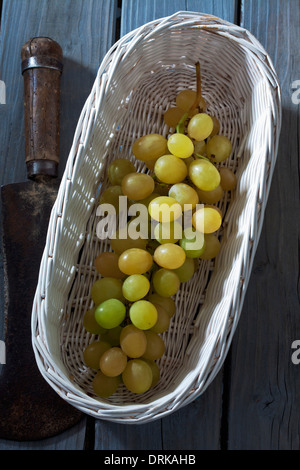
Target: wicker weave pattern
point(136, 82)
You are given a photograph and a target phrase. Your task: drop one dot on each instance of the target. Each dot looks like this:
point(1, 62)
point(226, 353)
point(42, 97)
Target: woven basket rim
point(51, 370)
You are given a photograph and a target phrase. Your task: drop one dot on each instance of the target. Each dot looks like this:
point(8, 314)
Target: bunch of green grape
point(133, 299)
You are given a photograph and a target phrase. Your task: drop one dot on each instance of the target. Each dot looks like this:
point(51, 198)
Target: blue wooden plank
point(135, 13)
point(265, 383)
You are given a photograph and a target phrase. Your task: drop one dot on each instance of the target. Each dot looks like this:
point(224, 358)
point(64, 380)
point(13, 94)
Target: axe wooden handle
point(41, 69)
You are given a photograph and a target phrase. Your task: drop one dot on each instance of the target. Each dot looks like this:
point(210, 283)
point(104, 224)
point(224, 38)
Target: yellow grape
point(111, 196)
point(219, 148)
point(207, 219)
point(184, 194)
point(180, 145)
point(135, 261)
point(200, 147)
point(200, 126)
point(118, 169)
point(137, 376)
point(167, 303)
point(163, 320)
point(93, 352)
point(105, 386)
point(137, 186)
point(186, 271)
point(228, 179)
point(216, 128)
point(112, 335)
point(169, 256)
point(106, 288)
point(143, 314)
point(135, 287)
point(168, 232)
point(133, 341)
point(204, 174)
point(164, 209)
point(106, 264)
point(113, 361)
point(172, 116)
point(155, 371)
point(192, 242)
point(186, 99)
point(90, 324)
point(170, 169)
point(212, 246)
point(165, 282)
point(155, 346)
point(122, 241)
point(211, 197)
point(149, 147)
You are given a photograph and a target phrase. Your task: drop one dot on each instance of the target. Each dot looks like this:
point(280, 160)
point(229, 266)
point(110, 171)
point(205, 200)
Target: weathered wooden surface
point(254, 401)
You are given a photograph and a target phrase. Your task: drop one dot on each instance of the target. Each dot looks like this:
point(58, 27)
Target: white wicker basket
point(137, 81)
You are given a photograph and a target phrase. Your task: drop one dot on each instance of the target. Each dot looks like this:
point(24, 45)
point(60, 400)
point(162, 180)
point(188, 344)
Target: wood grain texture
point(264, 411)
point(85, 29)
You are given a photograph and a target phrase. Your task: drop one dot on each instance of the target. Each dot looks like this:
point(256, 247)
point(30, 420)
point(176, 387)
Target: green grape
point(168, 232)
point(121, 241)
point(163, 320)
point(149, 147)
point(180, 145)
point(169, 256)
point(170, 169)
point(110, 313)
point(113, 361)
point(212, 246)
point(111, 196)
point(105, 386)
point(228, 179)
point(165, 282)
point(207, 219)
point(219, 148)
point(166, 302)
point(93, 352)
point(137, 376)
point(135, 287)
point(135, 261)
point(106, 288)
point(90, 324)
point(143, 314)
point(133, 341)
point(192, 243)
point(211, 197)
point(155, 371)
point(200, 147)
point(118, 169)
point(164, 209)
point(200, 126)
point(106, 264)
point(204, 174)
point(186, 271)
point(184, 194)
point(137, 186)
point(112, 335)
point(216, 128)
point(155, 346)
point(172, 116)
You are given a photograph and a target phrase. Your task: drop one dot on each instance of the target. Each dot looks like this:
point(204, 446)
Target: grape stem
point(201, 156)
point(180, 128)
point(198, 84)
